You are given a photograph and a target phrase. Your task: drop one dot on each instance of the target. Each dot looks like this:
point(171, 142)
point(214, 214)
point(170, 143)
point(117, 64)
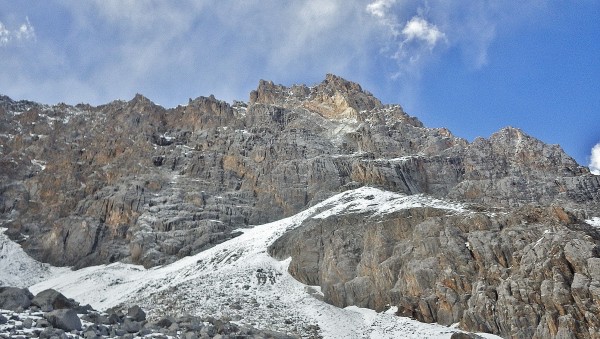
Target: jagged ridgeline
point(133, 181)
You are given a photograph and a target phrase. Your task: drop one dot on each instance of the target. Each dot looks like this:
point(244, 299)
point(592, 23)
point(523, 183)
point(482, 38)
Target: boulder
point(50, 299)
point(191, 335)
point(136, 313)
point(463, 335)
point(65, 319)
point(165, 322)
point(90, 333)
point(131, 326)
point(42, 323)
point(14, 298)
point(51, 332)
point(27, 323)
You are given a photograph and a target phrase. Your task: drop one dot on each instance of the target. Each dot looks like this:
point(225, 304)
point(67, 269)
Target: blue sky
point(471, 66)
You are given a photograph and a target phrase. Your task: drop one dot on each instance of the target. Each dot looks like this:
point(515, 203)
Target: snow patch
point(19, 269)
point(40, 163)
point(167, 137)
point(595, 221)
point(377, 202)
point(339, 128)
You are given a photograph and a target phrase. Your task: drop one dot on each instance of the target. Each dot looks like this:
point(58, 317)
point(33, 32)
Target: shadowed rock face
point(133, 181)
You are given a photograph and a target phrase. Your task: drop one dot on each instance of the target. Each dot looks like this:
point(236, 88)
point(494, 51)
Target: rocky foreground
point(133, 182)
point(49, 314)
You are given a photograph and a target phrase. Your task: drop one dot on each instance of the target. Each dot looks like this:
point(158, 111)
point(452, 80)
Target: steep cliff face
point(133, 181)
point(523, 273)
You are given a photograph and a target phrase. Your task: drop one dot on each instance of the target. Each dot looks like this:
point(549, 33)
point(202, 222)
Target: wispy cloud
point(595, 160)
point(412, 36)
point(214, 47)
point(467, 26)
point(419, 38)
point(4, 35)
point(24, 32)
point(380, 8)
point(319, 34)
point(418, 28)
point(174, 50)
point(384, 14)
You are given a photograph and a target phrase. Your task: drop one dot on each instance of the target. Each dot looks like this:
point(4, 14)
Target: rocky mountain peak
point(532, 152)
point(511, 135)
point(140, 98)
point(9, 104)
point(209, 105)
point(4, 99)
point(334, 98)
point(141, 103)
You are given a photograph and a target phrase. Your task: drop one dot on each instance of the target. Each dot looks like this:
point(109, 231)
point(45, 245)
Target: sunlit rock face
point(133, 181)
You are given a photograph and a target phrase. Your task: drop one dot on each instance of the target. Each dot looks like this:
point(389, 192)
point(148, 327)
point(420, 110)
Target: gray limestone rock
point(136, 313)
point(27, 323)
point(64, 319)
point(463, 335)
point(14, 298)
point(520, 273)
point(51, 299)
point(50, 332)
point(165, 322)
point(42, 323)
point(131, 326)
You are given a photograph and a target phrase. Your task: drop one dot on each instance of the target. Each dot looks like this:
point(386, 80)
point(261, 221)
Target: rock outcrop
point(133, 181)
point(523, 273)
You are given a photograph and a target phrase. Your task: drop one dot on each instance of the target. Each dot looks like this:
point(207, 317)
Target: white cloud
point(24, 32)
point(174, 50)
point(170, 51)
point(419, 29)
point(467, 26)
point(380, 8)
point(595, 160)
point(4, 35)
point(318, 34)
point(383, 12)
point(163, 18)
point(412, 36)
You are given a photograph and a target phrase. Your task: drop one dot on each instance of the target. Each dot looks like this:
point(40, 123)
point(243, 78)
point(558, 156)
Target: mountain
point(490, 234)
point(238, 280)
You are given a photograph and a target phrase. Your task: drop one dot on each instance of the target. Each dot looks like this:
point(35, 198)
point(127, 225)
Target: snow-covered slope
point(238, 280)
point(20, 270)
